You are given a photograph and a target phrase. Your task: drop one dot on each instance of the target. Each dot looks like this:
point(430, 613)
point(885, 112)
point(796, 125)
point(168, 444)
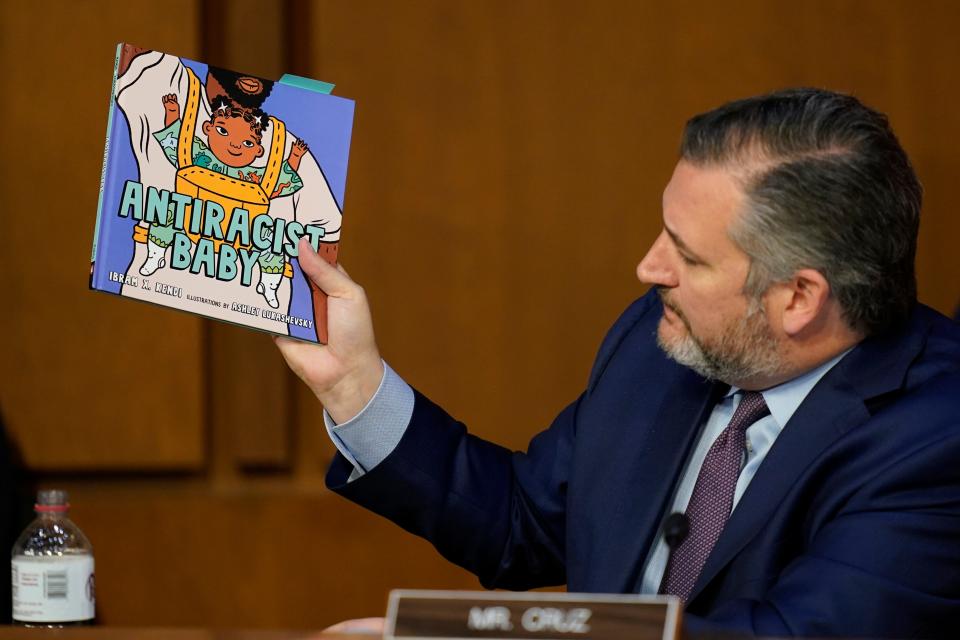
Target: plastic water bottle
point(52, 568)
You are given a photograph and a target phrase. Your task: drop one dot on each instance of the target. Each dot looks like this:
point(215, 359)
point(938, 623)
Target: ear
point(206, 128)
point(804, 299)
point(259, 150)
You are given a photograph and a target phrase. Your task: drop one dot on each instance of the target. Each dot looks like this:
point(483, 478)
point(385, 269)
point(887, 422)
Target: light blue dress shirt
point(370, 436)
point(782, 400)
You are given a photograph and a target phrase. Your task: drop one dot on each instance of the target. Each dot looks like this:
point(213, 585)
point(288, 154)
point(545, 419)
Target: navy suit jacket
point(851, 525)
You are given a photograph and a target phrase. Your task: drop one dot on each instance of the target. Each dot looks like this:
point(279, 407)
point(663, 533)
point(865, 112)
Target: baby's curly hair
point(256, 118)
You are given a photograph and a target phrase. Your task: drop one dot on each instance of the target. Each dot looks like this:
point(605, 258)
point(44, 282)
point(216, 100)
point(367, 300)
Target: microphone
point(675, 529)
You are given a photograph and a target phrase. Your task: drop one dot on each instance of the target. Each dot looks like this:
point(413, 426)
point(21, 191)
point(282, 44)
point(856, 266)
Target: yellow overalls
point(199, 182)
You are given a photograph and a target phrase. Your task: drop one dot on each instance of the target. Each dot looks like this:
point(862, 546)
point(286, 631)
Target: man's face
point(232, 141)
point(708, 323)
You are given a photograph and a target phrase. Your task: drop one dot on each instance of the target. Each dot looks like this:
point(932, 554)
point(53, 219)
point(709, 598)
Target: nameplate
point(496, 614)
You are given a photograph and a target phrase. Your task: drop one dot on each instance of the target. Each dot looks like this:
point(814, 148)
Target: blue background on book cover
point(324, 125)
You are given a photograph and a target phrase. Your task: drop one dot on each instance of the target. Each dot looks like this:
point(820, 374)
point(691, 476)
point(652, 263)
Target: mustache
point(662, 293)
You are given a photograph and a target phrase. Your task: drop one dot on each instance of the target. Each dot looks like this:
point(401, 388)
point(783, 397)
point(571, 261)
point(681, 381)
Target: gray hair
point(828, 187)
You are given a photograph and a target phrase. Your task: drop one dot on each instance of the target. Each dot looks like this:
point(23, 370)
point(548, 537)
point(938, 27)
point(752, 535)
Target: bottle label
point(53, 588)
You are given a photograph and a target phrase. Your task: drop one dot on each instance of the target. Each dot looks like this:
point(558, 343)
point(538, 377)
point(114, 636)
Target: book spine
point(94, 271)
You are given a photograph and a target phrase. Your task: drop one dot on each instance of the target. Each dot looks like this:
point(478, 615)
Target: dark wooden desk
point(111, 633)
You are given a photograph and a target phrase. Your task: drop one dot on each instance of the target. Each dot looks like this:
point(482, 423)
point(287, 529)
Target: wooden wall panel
point(251, 398)
point(254, 38)
point(509, 157)
point(251, 402)
point(89, 381)
point(275, 557)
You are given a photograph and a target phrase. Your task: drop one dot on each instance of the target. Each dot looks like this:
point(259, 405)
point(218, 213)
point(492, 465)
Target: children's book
point(210, 178)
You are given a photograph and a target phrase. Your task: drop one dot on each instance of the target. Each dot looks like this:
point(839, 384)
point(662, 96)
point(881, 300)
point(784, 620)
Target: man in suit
point(772, 433)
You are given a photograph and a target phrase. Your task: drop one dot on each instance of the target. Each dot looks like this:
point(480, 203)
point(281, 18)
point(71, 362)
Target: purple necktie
point(712, 498)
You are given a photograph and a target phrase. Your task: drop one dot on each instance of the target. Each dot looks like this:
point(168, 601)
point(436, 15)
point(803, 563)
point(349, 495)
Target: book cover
point(210, 178)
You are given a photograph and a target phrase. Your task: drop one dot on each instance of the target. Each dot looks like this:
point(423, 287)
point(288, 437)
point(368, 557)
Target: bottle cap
point(51, 500)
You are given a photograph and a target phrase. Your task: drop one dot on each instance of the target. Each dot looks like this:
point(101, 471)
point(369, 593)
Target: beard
point(745, 349)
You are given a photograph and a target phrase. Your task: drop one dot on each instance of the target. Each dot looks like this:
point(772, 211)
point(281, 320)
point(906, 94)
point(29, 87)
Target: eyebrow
point(682, 245)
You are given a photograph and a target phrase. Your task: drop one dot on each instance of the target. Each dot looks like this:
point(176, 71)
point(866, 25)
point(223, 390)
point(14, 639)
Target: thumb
point(328, 278)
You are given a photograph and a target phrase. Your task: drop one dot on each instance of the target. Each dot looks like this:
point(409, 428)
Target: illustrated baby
point(234, 142)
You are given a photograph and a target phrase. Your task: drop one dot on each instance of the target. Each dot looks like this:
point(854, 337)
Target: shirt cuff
point(371, 435)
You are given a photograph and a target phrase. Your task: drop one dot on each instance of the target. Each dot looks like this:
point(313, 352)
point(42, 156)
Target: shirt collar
point(784, 399)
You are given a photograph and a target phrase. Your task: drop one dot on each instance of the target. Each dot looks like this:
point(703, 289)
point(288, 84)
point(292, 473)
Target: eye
point(247, 144)
point(687, 260)
point(221, 130)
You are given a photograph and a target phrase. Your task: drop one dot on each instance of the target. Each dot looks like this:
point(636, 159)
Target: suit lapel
point(650, 477)
point(838, 403)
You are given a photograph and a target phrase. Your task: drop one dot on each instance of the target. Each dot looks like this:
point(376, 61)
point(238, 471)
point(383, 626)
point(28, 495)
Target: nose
point(658, 267)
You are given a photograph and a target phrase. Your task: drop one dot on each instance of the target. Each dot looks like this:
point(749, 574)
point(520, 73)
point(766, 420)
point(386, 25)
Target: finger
point(295, 351)
point(292, 343)
point(359, 626)
point(284, 341)
point(330, 280)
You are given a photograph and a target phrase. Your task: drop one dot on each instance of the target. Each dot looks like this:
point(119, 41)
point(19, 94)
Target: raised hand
point(296, 152)
point(345, 373)
point(171, 108)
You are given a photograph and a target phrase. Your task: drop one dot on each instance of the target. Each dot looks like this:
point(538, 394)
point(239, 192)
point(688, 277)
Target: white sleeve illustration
point(140, 90)
point(313, 203)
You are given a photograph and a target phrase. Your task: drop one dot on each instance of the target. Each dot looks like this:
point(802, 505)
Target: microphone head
point(675, 529)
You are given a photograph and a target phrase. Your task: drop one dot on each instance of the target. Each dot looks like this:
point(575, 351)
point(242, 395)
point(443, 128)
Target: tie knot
point(752, 407)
